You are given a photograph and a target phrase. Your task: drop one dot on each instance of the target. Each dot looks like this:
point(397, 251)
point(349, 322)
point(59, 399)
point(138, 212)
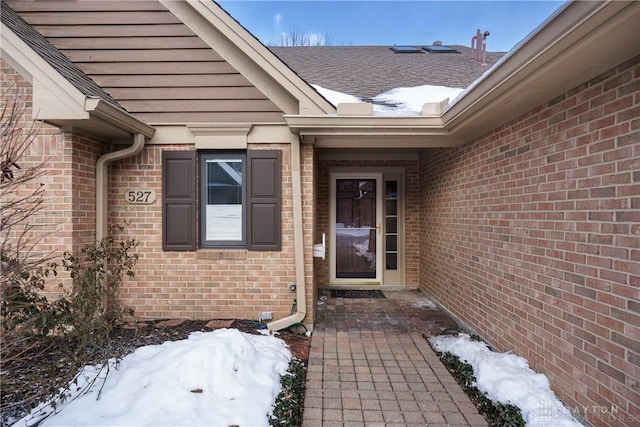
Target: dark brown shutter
point(264, 200)
point(178, 200)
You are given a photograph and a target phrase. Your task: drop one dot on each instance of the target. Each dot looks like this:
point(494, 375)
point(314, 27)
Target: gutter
point(120, 119)
point(115, 117)
point(102, 175)
point(298, 244)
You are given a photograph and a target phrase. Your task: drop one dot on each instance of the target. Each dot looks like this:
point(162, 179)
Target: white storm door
point(356, 228)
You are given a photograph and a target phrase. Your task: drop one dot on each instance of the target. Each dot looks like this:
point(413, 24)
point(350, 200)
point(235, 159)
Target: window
point(222, 199)
point(239, 199)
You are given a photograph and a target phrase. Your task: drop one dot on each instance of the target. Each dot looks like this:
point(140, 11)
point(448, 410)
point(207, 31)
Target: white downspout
point(298, 244)
point(102, 175)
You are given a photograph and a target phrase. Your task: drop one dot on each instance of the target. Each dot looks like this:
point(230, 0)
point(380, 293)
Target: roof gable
point(172, 62)
point(247, 54)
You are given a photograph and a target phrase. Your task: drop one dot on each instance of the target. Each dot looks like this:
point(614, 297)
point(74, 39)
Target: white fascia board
point(383, 142)
point(254, 133)
point(54, 98)
point(366, 125)
point(106, 111)
point(579, 42)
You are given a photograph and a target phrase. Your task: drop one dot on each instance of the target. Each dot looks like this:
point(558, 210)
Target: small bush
point(289, 404)
point(92, 303)
point(496, 413)
point(23, 308)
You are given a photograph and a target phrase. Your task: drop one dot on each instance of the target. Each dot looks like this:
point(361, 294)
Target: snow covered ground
point(225, 377)
point(507, 378)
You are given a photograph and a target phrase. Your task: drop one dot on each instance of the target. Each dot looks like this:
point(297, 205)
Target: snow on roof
point(399, 101)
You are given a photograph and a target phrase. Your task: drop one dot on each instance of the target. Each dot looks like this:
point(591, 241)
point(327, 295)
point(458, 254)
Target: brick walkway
point(370, 366)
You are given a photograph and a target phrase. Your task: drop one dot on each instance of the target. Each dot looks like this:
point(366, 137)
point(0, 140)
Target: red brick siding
point(201, 284)
point(207, 283)
point(412, 211)
point(66, 220)
point(307, 170)
point(531, 236)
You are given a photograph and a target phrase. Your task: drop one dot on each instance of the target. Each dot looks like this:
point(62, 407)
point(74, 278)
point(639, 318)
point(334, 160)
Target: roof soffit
point(583, 40)
point(252, 59)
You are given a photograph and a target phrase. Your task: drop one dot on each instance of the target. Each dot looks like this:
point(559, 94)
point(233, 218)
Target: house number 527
point(140, 197)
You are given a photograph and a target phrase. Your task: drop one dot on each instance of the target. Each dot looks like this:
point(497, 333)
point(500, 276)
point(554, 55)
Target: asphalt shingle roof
point(367, 71)
point(53, 56)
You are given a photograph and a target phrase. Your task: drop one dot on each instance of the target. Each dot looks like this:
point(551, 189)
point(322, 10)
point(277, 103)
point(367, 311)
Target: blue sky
point(393, 22)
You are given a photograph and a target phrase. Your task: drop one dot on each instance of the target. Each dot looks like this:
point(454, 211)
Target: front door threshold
point(364, 286)
point(352, 286)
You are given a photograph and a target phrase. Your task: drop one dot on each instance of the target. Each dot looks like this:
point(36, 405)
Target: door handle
point(379, 228)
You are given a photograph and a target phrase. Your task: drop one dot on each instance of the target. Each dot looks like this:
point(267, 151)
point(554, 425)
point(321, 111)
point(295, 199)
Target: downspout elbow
point(102, 175)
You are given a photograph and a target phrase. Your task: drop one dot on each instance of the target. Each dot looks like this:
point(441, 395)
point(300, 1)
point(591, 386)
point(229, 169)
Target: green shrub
point(496, 413)
point(289, 404)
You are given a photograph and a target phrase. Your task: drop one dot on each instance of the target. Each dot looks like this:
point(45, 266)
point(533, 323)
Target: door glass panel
point(392, 243)
point(356, 228)
point(391, 207)
point(391, 224)
point(392, 261)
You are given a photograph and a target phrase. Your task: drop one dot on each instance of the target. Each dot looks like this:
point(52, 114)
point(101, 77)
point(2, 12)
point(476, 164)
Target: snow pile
point(225, 377)
point(424, 302)
point(399, 101)
point(507, 378)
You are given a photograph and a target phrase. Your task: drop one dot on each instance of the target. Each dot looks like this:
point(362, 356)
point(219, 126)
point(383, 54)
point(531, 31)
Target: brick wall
point(412, 244)
point(66, 218)
point(531, 236)
point(207, 283)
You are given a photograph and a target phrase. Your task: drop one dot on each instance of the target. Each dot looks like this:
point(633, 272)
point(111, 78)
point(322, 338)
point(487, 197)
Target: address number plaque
point(140, 197)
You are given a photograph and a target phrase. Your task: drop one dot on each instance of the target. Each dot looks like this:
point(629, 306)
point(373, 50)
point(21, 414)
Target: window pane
point(392, 261)
point(224, 199)
point(392, 243)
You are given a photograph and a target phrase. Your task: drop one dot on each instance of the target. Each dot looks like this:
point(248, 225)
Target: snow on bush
point(508, 379)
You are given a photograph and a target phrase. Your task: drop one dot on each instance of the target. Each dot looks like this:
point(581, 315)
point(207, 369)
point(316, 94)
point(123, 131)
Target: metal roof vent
point(479, 47)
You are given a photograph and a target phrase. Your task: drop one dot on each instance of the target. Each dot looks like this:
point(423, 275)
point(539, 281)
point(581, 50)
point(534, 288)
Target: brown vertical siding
point(531, 235)
point(154, 65)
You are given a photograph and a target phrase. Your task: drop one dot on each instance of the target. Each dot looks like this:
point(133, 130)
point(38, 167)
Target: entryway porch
point(370, 365)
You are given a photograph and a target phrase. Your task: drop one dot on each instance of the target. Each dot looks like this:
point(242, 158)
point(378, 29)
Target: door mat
point(356, 293)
